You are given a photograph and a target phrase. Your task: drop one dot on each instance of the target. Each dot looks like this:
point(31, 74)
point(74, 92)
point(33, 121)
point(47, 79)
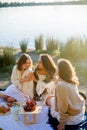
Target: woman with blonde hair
point(69, 104)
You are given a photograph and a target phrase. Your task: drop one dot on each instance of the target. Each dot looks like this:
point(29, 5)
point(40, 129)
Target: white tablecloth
point(8, 123)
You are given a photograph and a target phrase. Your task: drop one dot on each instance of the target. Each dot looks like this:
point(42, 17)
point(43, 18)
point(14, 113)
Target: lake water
point(59, 22)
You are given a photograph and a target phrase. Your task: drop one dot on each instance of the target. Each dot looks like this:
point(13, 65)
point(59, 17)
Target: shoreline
point(23, 4)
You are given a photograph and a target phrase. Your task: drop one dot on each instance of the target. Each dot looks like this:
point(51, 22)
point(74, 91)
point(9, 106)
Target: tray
point(36, 111)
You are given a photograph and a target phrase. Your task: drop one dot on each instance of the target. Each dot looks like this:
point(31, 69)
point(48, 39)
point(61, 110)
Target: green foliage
point(6, 69)
point(73, 48)
point(23, 45)
point(52, 45)
point(62, 50)
point(1, 60)
point(7, 57)
point(81, 71)
point(85, 49)
point(39, 43)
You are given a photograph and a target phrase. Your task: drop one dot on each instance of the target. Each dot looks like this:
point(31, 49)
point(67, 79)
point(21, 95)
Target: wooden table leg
point(34, 116)
point(27, 122)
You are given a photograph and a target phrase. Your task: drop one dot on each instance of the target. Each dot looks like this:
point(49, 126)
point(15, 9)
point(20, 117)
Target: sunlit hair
point(48, 65)
point(22, 60)
point(66, 71)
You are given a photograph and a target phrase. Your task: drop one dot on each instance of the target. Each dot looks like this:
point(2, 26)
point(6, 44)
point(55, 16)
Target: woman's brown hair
point(66, 71)
point(49, 66)
point(22, 60)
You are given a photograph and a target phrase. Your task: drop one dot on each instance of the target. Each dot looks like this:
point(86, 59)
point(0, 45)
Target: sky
point(33, 0)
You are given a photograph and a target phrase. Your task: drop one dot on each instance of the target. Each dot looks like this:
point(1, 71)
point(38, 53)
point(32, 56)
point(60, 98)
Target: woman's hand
point(60, 127)
point(21, 81)
point(28, 78)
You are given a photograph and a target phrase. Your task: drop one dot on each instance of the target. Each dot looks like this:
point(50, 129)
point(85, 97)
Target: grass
point(81, 69)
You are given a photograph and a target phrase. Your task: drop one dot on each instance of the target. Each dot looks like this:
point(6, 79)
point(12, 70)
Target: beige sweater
point(68, 102)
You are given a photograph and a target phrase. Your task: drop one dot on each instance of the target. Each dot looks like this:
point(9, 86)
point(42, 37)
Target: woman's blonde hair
point(67, 72)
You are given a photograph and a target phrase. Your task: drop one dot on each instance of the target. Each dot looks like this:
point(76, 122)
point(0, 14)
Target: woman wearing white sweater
point(22, 83)
point(44, 80)
point(69, 104)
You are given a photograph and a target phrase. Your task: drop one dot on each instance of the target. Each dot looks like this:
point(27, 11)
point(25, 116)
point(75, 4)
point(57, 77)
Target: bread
point(4, 110)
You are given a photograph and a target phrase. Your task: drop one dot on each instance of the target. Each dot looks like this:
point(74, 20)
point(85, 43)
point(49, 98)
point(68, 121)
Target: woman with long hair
point(45, 75)
point(22, 84)
point(69, 104)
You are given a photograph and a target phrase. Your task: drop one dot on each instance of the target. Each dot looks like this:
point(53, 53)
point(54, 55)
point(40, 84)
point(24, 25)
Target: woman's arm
point(28, 78)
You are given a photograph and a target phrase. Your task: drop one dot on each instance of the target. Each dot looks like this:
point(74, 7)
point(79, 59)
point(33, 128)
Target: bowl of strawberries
point(30, 105)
